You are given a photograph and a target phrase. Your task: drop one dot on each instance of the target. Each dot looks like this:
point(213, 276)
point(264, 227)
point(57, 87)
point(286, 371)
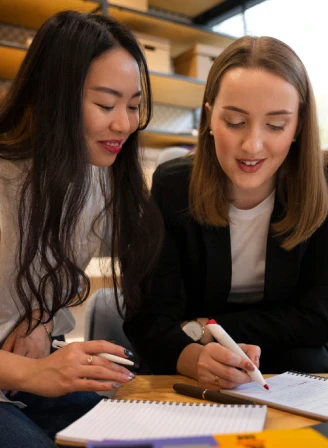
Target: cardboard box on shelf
point(140, 5)
point(157, 51)
point(197, 61)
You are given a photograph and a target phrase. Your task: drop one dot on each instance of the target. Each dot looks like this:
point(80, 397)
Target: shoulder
point(170, 187)
point(175, 172)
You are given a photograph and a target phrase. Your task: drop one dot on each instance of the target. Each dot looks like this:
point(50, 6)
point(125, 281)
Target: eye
point(276, 128)
point(107, 108)
point(134, 107)
point(234, 125)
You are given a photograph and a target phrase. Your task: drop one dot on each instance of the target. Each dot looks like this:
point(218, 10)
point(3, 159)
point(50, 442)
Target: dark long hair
point(41, 122)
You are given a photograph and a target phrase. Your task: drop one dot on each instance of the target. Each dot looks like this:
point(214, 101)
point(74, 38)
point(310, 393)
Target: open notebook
point(295, 392)
point(135, 419)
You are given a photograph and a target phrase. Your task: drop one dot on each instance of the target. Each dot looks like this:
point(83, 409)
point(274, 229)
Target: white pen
point(108, 356)
point(224, 339)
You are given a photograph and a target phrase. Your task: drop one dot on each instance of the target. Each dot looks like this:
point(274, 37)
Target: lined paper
point(292, 391)
point(134, 419)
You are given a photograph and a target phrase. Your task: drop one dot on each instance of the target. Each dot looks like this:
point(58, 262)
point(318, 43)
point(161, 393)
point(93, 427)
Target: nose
point(252, 141)
point(121, 122)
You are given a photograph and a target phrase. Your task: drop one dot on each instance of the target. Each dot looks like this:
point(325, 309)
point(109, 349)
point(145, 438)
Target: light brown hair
point(301, 183)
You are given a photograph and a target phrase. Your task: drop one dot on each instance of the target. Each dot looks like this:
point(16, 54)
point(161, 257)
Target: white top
point(87, 244)
point(248, 236)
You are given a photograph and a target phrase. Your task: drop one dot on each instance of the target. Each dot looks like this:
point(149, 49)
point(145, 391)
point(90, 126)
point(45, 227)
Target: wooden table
point(158, 387)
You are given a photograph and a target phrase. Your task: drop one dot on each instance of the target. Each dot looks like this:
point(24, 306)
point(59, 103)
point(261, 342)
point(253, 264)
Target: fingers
point(102, 362)
point(227, 357)
point(102, 373)
point(19, 347)
point(9, 343)
point(94, 347)
point(96, 367)
point(99, 368)
point(253, 352)
point(219, 367)
point(91, 385)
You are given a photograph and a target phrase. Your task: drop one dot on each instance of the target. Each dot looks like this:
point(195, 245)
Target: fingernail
point(128, 352)
point(131, 377)
point(257, 360)
point(250, 366)
point(116, 385)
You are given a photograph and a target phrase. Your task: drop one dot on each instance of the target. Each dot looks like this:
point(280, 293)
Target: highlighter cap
point(211, 322)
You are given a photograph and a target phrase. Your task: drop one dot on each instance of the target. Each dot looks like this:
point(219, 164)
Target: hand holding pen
point(224, 339)
point(76, 367)
point(219, 367)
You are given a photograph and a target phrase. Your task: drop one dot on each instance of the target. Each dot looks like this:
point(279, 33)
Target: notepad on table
point(294, 392)
point(136, 419)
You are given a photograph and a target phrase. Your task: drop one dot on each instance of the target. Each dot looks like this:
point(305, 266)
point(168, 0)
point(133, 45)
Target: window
point(303, 26)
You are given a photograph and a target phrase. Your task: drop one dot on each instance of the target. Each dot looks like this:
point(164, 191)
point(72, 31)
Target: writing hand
point(219, 368)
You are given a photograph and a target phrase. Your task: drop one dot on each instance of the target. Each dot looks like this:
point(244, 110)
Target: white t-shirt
point(248, 235)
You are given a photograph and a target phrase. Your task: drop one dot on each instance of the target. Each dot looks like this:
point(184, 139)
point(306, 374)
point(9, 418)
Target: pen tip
point(266, 387)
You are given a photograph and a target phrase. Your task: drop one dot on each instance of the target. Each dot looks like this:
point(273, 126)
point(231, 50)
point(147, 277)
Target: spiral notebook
point(294, 392)
point(135, 419)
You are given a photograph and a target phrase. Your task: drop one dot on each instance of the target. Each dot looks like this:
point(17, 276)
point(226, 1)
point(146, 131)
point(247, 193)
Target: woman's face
point(111, 101)
point(254, 120)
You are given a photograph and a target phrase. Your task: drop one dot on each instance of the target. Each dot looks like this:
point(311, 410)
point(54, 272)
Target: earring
point(294, 139)
point(211, 132)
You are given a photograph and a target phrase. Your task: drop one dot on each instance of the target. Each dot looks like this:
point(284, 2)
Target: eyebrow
point(274, 112)
point(114, 92)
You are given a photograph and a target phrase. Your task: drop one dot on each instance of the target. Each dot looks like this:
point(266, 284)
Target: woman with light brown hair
point(246, 228)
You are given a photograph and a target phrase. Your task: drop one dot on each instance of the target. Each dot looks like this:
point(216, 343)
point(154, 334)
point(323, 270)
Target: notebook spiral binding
point(296, 373)
point(177, 403)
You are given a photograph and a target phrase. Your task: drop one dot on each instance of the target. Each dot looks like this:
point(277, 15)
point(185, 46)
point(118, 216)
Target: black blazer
point(193, 279)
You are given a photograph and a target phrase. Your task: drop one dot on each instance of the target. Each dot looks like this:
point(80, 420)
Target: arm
point(67, 370)
point(155, 331)
point(37, 343)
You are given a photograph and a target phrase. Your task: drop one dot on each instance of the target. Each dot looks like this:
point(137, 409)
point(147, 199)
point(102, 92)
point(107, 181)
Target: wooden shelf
point(10, 61)
point(158, 139)
point(32, 13)
point(189, 8)
point(182, 36)
point(177, 90)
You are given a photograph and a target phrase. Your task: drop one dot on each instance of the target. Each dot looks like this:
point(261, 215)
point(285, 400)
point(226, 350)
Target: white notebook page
point(300, 392)
point(133, 419)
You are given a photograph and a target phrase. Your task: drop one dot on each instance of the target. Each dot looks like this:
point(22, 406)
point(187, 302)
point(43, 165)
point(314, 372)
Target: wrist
point(188, 359)
point(48, 330)
point(48, 327)
point(194, 329)
point(207, 336)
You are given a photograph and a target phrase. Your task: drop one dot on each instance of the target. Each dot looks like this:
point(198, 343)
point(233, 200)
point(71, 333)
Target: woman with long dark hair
point(70, 184)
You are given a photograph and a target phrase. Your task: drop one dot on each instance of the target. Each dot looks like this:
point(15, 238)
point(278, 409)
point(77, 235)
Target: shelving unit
point(177, 90)
point(158, 139)
point(189, 8)
point(173, 89)
point(168, 89)
point(182, 36)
